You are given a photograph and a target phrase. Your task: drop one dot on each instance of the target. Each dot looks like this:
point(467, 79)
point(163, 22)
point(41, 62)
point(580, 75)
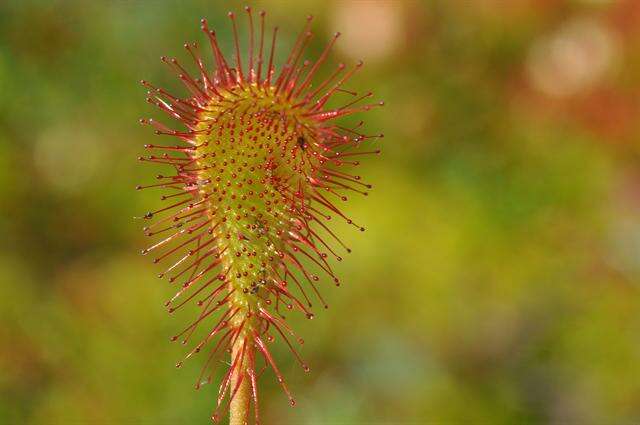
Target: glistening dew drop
point(257, 176)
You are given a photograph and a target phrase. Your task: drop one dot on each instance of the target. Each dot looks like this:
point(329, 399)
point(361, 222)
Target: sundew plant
point(258, 170)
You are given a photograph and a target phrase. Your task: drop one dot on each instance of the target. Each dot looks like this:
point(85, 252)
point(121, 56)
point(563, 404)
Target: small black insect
point(302, 143)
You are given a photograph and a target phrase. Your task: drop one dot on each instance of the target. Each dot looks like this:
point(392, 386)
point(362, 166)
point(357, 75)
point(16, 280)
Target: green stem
point(239, 408)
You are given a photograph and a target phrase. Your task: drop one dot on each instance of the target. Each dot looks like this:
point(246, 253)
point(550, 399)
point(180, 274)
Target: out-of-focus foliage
point(497, 281)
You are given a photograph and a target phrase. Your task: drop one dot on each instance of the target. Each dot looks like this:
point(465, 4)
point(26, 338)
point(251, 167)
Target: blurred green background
point(497, 281)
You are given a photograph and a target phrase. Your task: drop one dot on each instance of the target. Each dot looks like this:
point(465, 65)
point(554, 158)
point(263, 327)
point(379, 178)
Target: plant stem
point(239, 408)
